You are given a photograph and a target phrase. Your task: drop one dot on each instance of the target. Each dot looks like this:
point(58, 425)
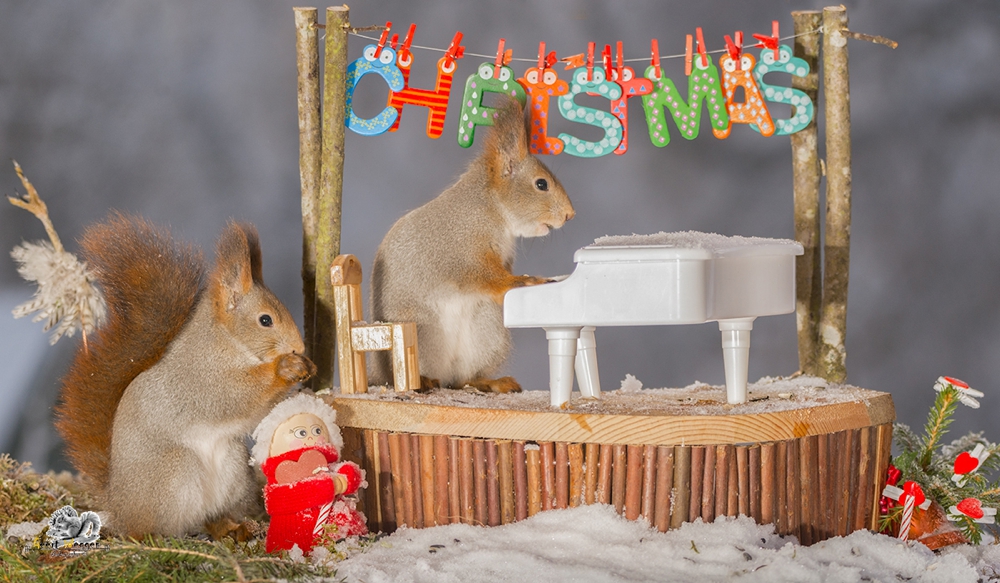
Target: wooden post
point(805, 180)
point(837, 244)
point(310, 148)
point(327, 241)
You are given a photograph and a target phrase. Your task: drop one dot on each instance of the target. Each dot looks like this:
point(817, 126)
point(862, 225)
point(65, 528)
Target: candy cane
point(904, 526)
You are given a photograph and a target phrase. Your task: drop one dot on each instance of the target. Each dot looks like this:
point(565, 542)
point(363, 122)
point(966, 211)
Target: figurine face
point(298, 431)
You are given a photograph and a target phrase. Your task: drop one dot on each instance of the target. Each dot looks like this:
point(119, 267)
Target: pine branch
point(937, 423)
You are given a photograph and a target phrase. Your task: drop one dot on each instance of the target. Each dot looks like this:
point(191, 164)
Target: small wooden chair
point(355, 336)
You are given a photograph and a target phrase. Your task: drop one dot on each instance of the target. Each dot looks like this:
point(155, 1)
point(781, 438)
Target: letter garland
point(708, 90)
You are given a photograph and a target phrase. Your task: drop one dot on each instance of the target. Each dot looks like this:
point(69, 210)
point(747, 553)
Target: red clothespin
point(394, 41)
point(770, 42)
point(702, 51)
point(619, 61)
point(455, 50)
point(687, 55)
point(404, 51)
point(503, 57)
point(606, 61)
point(735, 49)
point(654, 48)
point(590, 61)
point(382, 40)
point(545, 61)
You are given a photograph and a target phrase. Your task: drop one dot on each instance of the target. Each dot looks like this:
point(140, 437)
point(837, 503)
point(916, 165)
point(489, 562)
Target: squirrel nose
point(570, 214)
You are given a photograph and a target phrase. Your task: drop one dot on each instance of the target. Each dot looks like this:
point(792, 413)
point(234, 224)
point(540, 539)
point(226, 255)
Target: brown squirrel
point(447, 264)
point(155, 410)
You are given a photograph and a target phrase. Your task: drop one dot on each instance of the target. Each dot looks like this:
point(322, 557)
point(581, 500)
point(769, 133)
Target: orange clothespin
point(590, 61)
point(702, 51)
point(735, 49)
point(382, 39)
point(606, 60)
point(404, 51)
point(687, 55)
point(455, 50)
point(573, 61)
point(770, 42)
point(503, 57)
point(654, 48)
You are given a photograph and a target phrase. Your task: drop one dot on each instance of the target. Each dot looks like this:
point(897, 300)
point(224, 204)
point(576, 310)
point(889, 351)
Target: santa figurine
point(308, 492)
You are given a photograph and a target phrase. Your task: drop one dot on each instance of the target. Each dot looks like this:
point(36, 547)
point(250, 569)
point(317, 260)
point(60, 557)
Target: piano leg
point(586, 364)
point(736, 355)
point(562, 356)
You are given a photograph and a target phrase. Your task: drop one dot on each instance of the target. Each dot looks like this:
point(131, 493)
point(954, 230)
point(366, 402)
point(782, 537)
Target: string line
point(535, 60)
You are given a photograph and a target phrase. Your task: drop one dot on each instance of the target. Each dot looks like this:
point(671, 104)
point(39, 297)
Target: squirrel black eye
point(266, 321)
point(542, 184)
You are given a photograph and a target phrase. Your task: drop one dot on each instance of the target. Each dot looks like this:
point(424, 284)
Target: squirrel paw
point(500, 385)
point(526, 280)
point(295, 368)
point(223, 527)
point(427, 383)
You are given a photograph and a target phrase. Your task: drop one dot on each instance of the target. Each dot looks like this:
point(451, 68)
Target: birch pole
point(310, 149)
point(836, 250)
point(330, 190)
point(805, 179)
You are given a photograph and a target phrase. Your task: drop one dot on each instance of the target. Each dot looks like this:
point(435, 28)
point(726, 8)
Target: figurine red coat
point(295, 506)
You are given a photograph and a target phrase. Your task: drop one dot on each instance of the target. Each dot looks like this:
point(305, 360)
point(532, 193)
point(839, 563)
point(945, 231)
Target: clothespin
point(687, 55)
point(606, 59)
point(573, 61)
point(590, 61)
point(503, 57)
point(702, 51)
point(404, 52)
point(545, 61)
point(619, 61)
point(455, 50)
point(770, 42)
point(735, 49)
point(394, 41)
point(654, 48)
point(382, 39)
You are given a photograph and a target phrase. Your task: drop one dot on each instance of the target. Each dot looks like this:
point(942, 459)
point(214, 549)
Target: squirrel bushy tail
point(152, 284)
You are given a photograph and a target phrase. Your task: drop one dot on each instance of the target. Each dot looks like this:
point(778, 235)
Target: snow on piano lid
point(681, 245)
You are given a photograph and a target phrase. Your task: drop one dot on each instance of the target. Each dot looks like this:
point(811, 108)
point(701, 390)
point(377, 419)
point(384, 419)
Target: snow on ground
point(593, 543)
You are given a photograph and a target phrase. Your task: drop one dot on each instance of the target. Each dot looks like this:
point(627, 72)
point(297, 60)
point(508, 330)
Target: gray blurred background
point(185, 112)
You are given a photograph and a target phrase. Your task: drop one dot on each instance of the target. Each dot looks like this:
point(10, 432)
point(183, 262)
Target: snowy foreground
point(592, 543)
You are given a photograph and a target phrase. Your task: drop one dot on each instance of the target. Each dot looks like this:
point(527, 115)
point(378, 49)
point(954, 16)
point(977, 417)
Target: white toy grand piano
point(645, 280)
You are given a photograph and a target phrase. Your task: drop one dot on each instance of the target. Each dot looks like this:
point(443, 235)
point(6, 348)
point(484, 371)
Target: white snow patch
point(25, 530)
point(631, 384)
point(593, 543)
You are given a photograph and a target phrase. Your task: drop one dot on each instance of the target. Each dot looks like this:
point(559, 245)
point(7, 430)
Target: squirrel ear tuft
point(237, 265)
point(507, 143)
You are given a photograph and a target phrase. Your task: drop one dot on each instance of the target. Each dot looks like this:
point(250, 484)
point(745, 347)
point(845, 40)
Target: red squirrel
point(447, 264)
point(155, 410)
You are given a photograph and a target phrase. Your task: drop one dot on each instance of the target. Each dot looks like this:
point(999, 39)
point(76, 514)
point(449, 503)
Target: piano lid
point(679, 246)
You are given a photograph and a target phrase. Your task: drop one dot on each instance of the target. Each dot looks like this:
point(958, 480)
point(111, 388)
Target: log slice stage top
point(778, 409)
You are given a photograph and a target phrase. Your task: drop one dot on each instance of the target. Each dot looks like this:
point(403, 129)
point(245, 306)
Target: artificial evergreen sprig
point(931, 463)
